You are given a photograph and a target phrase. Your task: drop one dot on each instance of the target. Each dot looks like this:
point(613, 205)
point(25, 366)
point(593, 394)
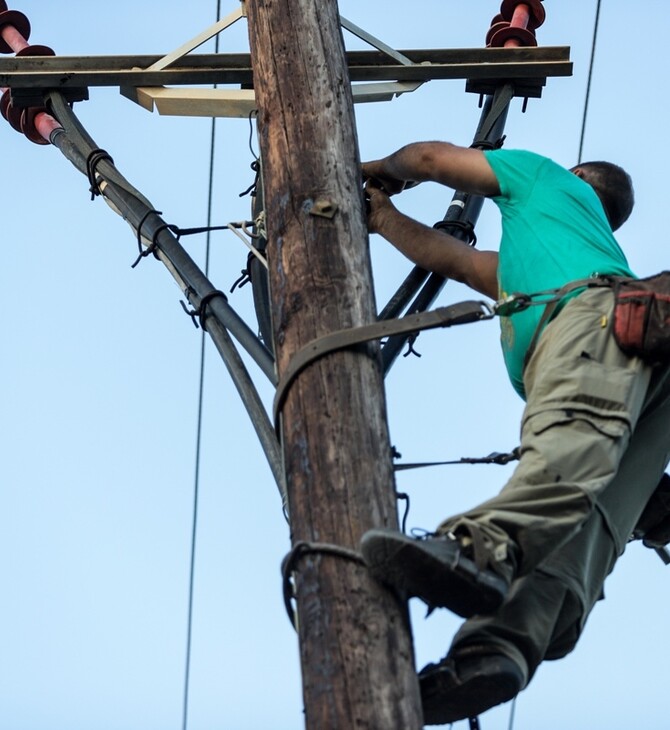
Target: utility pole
point(355, 643)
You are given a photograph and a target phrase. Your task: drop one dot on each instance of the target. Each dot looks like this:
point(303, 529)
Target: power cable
point(198, 438)
point(596, 25)
point(511, 715)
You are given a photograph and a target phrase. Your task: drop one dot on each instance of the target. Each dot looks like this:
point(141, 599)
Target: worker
point(526, 567)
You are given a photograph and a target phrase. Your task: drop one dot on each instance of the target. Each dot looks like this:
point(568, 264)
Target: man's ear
point(578, 171)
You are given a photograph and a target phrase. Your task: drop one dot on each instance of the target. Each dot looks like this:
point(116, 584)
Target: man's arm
point(431, 249)
point(460, 168)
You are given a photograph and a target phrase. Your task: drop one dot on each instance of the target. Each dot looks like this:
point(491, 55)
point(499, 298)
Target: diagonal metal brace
point(199, 39)
point(379, 45)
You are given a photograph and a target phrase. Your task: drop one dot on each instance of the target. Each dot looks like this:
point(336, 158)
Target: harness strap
point(460, 313)
point(558, 295)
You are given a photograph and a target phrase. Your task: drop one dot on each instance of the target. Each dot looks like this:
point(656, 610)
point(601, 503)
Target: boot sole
point(444, 702)
point(442, 578)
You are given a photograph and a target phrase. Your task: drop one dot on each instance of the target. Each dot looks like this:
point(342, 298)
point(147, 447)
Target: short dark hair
point(614, 187)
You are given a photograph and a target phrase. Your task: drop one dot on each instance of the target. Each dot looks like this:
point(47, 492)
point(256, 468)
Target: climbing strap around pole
point(302, 548)
point(460, 313)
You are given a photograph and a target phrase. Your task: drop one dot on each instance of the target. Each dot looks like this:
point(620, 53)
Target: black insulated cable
point(76, 145)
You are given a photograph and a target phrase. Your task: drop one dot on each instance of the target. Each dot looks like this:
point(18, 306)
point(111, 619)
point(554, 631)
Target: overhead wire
point(198, 438)
point(596, 25)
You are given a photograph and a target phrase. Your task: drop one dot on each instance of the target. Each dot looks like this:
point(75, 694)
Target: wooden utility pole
point(355, 643)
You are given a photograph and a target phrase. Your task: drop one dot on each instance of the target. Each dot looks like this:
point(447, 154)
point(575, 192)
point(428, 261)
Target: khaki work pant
point(594, 444)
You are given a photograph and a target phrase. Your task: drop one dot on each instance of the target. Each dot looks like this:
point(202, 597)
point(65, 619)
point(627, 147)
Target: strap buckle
point(512, 304)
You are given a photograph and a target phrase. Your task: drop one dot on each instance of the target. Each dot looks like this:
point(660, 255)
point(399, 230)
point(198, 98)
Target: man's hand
point(461, 168)
point(431, 249)
point(375, 171)
point(378, 206)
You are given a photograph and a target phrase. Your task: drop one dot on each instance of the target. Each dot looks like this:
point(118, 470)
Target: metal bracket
point(323, 208)
point(201, 38)
point(231, 106)
point(240, 103)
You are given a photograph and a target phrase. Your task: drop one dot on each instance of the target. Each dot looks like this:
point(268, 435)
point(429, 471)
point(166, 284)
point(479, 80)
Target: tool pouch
point(653, 527)
point(642, 317)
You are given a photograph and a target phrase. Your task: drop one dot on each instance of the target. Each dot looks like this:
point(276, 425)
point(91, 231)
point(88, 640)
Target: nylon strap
point(551, 304)
point(460, 313)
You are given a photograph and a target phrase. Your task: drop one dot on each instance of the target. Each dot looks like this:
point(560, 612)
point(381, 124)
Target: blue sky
point(100, 375)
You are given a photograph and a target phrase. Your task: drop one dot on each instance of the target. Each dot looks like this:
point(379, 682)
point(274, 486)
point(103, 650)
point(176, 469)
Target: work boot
point(459, 688)
point(438, 569)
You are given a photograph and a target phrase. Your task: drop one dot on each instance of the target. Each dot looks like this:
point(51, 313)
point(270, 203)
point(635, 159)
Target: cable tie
point(92, 161)
point(179, 232)
point(245, 278)
point(139, 232)
point(465, 226)
point(251, 190)
point(299, 550)
point(198, 315)
point(192, 313)
point(153, 246)
point(487, 144)
point(252, 115)
point(410, 347)
point(201, 313)
point(404, 497)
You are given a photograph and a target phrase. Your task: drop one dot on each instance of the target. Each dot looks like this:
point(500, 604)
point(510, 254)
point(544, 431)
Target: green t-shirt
point(554, 230)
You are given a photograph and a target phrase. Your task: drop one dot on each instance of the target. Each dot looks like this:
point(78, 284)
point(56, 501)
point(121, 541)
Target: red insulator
point(513, 37)
point(28, 119)
point(10, 112)
point(4, 101)
point(495, 27)
point(529, 13)
point(13, 20)
point(36, 51)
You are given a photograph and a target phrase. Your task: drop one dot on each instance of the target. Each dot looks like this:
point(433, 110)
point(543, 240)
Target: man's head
point(613, 186)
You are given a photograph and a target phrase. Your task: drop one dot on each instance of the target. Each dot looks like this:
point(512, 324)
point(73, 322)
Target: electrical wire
point(198, 438)
point(596, 25)
point(511, 715)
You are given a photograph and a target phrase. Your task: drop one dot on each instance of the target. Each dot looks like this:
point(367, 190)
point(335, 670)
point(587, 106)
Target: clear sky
point(99, 394)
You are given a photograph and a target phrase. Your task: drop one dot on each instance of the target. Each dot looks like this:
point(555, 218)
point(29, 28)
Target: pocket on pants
point(545, 420)
point(582, 387)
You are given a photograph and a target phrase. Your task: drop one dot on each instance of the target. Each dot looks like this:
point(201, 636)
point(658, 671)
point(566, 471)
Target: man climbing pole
point(526, 567)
